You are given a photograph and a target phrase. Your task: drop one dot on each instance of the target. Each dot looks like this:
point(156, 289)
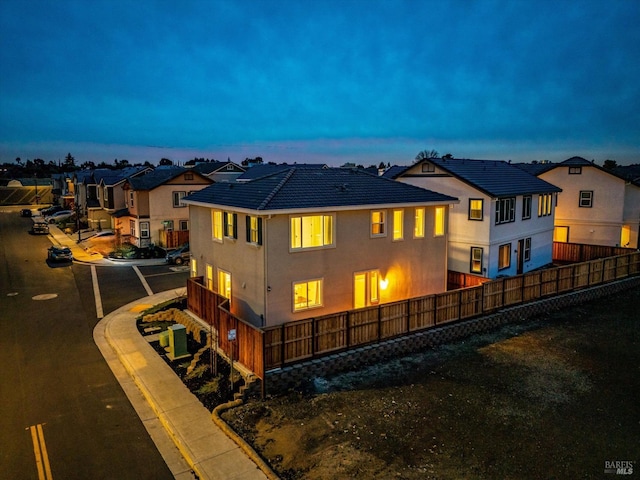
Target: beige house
point(301, 243)
point(596, 206)
point(155, 212)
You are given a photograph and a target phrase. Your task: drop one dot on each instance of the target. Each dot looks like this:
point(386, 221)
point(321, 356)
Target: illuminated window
point(561, 234)
point(377, 223)
point(216, 224)
point(544, 204)
point(476, 260)
point(254, 230)
point(475, 209)
point(366, 289)
point(132, 228)
point(311, 231)
point(418, 229)
point(210, 277)
point(438, 228)
point(398, 227)
point(307, 295)
point(194, 268)
point(230, 224)
point(224, 284)
point(526, 207)
point(504, 256)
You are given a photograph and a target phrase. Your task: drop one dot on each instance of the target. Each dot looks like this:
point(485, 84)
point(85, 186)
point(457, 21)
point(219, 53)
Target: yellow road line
point(40, 451)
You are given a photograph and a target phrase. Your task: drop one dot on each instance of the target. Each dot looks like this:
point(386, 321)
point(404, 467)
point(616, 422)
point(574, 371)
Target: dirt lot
point(553, 398)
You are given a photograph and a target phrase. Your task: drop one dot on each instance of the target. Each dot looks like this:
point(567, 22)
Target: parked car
point(40, 228)
point(25, 212)
point(59, 254)
point(58, 216)
point(101, 235)
point(50, 210)
point(179, 256)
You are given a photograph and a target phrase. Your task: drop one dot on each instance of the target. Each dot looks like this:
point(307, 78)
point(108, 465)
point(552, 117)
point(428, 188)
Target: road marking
point(143, 280)
point(96, 292)
point(40, 451)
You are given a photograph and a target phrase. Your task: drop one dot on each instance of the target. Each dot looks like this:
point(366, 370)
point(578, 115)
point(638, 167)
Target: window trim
point(178, 195)
point(575, 170)
point(585, 202)
point(505, 210)
point(145, 230)
point(526, 254)
point(481, 210)
point(419, 222)
point(320, 304)
point(527, 202)
point(439, 227)
point(253, 234)
point(230, 225)
point(323, 217)
point(472, 260)
point(217, 225)
point(428, 167)
point(506, 246)
point(382, 224)
point(398, 230)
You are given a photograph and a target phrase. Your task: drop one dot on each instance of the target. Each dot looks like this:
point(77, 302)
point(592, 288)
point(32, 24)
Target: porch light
point(384, 283)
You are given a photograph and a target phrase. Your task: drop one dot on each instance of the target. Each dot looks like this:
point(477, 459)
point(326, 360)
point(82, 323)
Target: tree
point(165, 162)
point(69, 162)
point(448, 156)
point(425, 154)
point(610, 164)
point(88, 165)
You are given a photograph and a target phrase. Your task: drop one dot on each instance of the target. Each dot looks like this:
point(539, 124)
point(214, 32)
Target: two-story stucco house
point(504, 222)
point(304, 242)
point(596, 206)
point(154, 207)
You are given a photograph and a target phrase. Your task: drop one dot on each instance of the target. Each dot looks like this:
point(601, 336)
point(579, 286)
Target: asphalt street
point(62, 412)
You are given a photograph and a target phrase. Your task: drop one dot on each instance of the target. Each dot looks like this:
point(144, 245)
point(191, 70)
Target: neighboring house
point(305, 242)
point(504, 222)
point(597, 206)
point(219, 171)
point(154, 207)
point(97, 196)
point(63, 190)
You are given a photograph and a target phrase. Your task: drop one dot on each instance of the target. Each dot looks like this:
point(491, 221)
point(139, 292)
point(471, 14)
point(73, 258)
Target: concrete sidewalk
point(181, 427)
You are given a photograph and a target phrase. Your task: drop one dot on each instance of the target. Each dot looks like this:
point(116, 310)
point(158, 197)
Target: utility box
point(177, 342)
point(163, 338)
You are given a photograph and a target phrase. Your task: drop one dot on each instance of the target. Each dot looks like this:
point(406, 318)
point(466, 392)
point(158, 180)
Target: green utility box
point(177, 342)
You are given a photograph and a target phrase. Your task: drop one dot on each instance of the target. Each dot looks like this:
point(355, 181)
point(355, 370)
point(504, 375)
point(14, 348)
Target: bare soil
point(552, 398)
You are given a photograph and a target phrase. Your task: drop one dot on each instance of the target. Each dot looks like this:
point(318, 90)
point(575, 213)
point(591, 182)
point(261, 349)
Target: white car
point(58, 216)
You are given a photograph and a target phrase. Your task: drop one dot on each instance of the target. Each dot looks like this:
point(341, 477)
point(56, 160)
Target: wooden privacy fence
point(213, 308)
point(173, 238)
point(314, 337)
point(581, 252)
point(262, 349)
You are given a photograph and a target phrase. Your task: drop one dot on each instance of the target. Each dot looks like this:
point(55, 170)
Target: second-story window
point(311, 231)
point(526, 207)
point(418, 228)
point(398, 224)
point(177, 199)
point(544, 204)
point(575, 170)
point(144, 230)
point(505, 210)
point(378, 223)
point(131, 198)
point(216, 225)
point(230, 225)
point(475, 209)
point(254, 230)
point(586, 198)
point(439, 225)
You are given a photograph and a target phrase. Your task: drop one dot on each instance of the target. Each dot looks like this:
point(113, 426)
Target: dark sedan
point(59, 254)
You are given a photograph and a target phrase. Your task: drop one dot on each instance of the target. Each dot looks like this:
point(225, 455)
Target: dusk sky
point(319, 81)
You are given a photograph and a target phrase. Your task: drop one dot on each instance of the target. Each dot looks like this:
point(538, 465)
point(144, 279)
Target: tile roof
point(258, 171)
point(495, 178)
point(153, 179)
point(207, 168)
point(303, 188)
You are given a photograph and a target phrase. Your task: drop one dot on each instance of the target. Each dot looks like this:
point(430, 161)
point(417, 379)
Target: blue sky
point(323, 81)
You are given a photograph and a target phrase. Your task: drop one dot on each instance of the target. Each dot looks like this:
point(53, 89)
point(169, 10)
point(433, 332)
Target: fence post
point(282, 349)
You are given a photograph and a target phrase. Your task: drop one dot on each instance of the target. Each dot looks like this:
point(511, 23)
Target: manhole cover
point(12, 294)
point(45, 296)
